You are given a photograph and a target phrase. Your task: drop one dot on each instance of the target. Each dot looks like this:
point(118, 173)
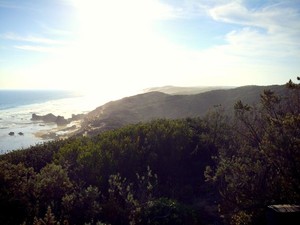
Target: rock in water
point(60, 120)
point(11, 133)
point(49, 118)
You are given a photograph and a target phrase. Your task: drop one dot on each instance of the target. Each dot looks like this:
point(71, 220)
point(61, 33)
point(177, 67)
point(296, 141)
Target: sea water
point(17, 107)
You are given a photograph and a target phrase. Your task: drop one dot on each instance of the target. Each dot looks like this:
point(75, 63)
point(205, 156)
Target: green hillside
point(153, 105)
point(214, 169)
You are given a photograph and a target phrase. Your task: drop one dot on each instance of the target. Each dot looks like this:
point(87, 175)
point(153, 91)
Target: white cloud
point(117, 49)
point(264, 42)
point(273, 18)
point(128, 10)
point(54, 31)
point(36, 48)
point(31, 38)
point(271, 31)
point(254, 45)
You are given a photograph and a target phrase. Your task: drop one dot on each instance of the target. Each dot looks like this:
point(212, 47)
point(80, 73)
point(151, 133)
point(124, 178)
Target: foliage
point(82, 205)
point(51, 185)
point(49, 219)
point(16, 192)
point(113, 177)
point(156, 172)
point(261, 165)
point(167, 211)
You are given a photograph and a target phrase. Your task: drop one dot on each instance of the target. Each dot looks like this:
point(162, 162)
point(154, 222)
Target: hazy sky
point(110, 45)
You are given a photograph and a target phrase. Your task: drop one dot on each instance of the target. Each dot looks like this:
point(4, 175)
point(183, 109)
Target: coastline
point(35, 133)
point(25, 132)
point(18, 131)
point(59, 132)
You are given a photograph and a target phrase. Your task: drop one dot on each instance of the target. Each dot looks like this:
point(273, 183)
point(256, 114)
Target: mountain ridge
point(152, 105)
point(178, 90)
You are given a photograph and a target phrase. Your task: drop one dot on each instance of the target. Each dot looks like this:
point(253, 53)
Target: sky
point(123, 45)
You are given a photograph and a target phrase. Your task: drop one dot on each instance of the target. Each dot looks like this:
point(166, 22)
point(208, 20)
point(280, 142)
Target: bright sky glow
point(117, 46)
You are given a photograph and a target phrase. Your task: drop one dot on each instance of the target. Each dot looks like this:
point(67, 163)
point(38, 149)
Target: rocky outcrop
point(77, 117)
point(49, 118)
point(59, 120)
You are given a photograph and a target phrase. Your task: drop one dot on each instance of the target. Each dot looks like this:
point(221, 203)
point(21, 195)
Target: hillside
point(208, 170)
point(175, 90)
point(153, 105)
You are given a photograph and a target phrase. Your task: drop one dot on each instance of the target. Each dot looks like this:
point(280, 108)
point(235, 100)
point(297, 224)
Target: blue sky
point(118, 46)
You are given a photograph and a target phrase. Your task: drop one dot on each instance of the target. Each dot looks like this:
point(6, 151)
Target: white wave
point(18, 119)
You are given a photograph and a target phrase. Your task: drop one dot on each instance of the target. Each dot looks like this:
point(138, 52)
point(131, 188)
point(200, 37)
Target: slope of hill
point(175, 90)
point(152, 105)
point(183, 171)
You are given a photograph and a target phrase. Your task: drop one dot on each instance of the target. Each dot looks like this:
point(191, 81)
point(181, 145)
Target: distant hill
point(152, 105)
point(174, 90)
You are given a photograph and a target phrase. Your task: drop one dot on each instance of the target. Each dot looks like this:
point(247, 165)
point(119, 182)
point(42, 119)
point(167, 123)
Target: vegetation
point(206, 170)
point(152, 105)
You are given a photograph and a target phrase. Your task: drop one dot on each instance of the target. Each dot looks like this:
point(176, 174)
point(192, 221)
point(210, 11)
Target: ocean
point(17, 107)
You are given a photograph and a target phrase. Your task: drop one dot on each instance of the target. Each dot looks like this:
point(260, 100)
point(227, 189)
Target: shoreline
point(31, 135)
point(59, 132)
point(19, 131)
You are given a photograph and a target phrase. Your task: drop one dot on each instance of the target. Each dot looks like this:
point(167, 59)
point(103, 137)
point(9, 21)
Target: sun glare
point(116, 42)
point(117, 52)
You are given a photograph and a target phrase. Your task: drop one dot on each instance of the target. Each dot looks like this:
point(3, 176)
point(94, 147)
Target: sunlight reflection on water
point(18, 119)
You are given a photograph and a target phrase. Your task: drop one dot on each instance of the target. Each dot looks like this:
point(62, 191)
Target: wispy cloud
point(271, 31)
point(31, 38)
point(153, 9)
point(35, 43)
point(36, 48)
point(54, 31)
point(273, 18)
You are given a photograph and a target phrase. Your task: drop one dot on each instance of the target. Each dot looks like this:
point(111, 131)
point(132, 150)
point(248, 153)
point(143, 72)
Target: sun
point(116, 42)
point(116, 50)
